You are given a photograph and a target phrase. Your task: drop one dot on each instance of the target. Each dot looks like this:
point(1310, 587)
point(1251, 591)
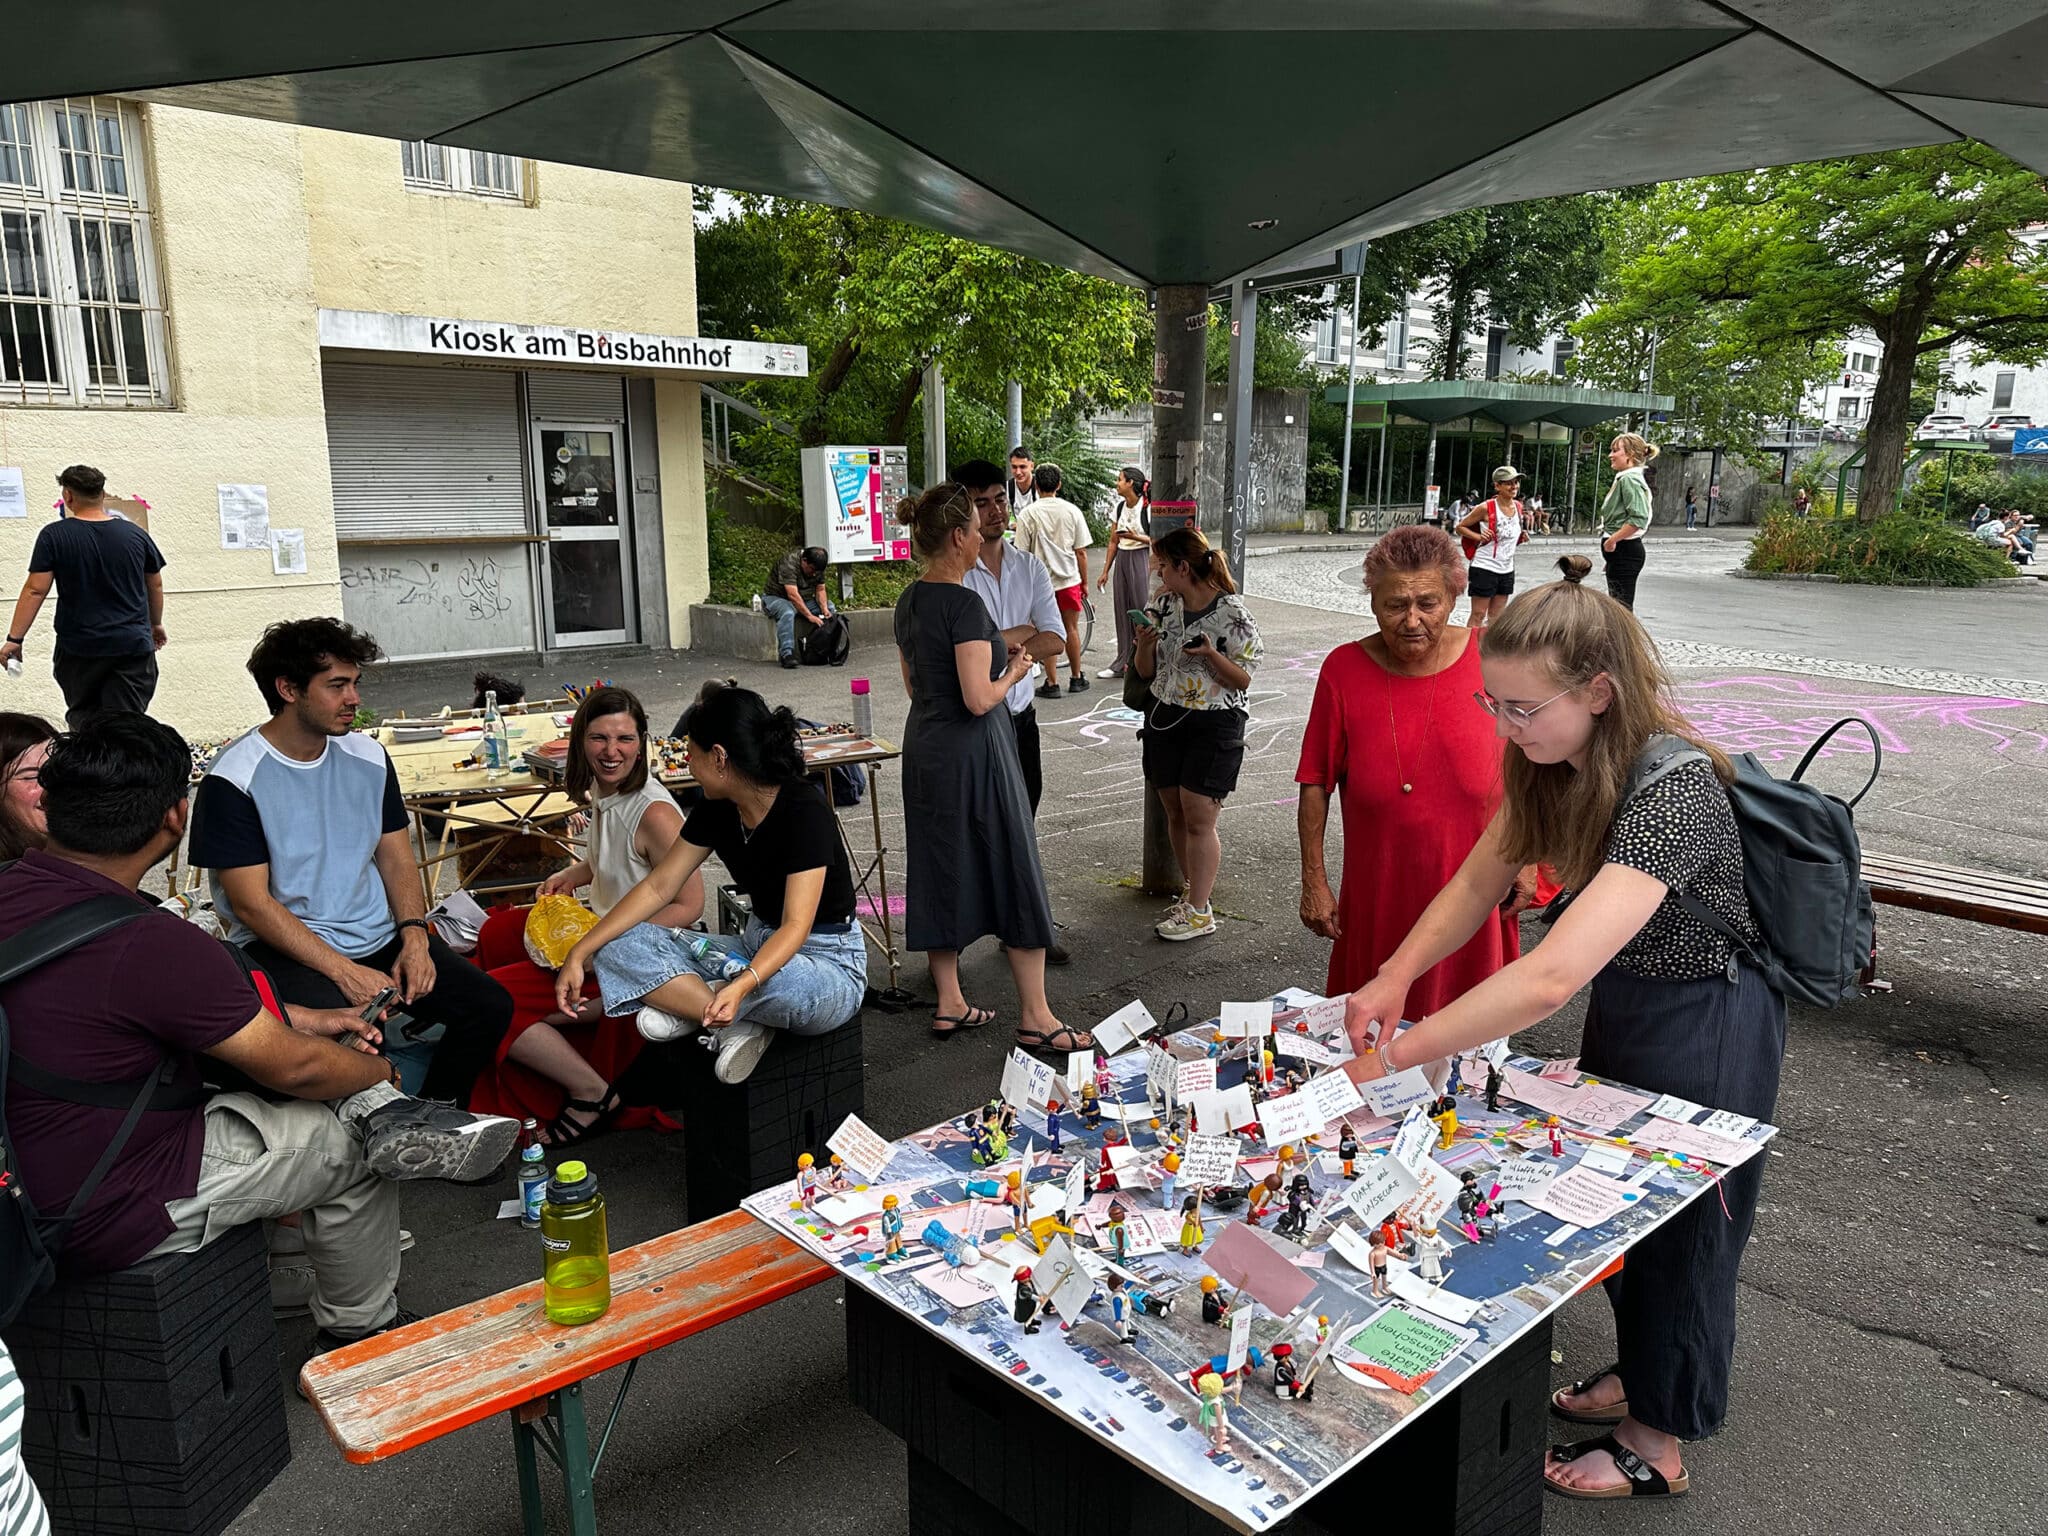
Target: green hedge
point(1892, 551)
point(742, 556)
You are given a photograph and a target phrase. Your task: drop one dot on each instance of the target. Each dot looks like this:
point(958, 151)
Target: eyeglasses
point(1514, 714)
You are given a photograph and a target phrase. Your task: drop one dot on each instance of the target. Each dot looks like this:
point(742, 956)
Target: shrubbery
point(742, 556)
point(1891, 551)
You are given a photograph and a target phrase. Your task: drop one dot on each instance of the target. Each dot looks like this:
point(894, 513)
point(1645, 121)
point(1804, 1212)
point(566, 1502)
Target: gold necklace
point(1428, 728)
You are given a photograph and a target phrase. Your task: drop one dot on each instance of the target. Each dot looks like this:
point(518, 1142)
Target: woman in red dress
point(1397, 728)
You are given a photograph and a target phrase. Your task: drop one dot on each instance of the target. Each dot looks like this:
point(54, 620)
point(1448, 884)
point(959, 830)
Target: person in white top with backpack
point(1495, 527)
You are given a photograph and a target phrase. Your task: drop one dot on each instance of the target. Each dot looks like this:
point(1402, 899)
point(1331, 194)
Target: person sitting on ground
point(796, 590)
point(323, 1135)
point(1981, 516)
point(1995, 534)
point(801, 965)
point(1054, 529)
point(561, 1068)
point(2016, 525)
point(302, 830)
point(24, 743)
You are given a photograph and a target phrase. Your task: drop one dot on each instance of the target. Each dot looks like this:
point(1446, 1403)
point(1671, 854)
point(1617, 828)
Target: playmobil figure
point(1117, 1236)
point(1113, 1137)
point(1052, 1124)
point(1556, 1137)
point(980, 1144)
point(1379, 1246)
point(892, 1229)
point(1169, 1175)
point(1215, 1305)
point(1028, 1304)
point(1126, 1301)
point(1294, 1222)
point(1286, 1384)
point(1177, 1125)
point(1191, 1223)
point(1429, 1255)
point(1396, 1232)
point(1347, 1148)
point(1018, 1200)
point(1493, 1087)
point(1105, 1080)
point(806, 1182)
point(955, 1249)
point(1214, 1418)
point(1218, 1043)
point(1091, 1106)
point(1446, 1117)
point(1290, 1080)
point(1472, 1205)
point(998, 1138)
point(1287, 1157)
point(835, 1175)
point(1266, 1065)
point(1263, 1196)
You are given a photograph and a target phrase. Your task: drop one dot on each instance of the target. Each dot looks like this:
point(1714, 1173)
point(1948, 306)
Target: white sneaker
point(1174, 914)
point(740, 1048)
point(1188, 923)
point(658, 1024)
point(1107, 673)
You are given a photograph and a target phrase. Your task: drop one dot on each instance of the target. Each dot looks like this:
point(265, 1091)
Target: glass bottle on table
point(497, 746)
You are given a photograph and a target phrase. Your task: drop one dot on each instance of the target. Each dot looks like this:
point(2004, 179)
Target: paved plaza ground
point(1893, 1369)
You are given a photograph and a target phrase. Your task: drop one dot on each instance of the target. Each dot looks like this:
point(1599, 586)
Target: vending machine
point(850, 497)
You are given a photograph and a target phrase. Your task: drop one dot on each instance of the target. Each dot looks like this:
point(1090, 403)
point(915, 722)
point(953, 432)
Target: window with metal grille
point(81, 307)
point(444, 168)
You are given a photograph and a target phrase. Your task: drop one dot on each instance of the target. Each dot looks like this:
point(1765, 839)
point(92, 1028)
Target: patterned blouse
point(1177, 679)
point(1681, 830)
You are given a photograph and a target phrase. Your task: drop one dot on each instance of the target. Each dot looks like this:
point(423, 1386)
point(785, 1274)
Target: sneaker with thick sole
point(1078, 683)
point(740, 1048)
point(659, 1025)
point(1049, 691)
point(1110, 672)
point(419, 1139)
point(1057, 953)
point(1189, 924)
point(1174, 914)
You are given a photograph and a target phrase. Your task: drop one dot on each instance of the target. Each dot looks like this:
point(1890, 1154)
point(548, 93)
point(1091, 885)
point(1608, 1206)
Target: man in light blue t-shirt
point(302, 831)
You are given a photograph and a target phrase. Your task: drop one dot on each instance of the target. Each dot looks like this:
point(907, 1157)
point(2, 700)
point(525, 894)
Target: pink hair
point(1415, 548)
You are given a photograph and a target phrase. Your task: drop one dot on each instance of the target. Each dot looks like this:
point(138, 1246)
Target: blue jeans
point(783, 612)
point(819, 989)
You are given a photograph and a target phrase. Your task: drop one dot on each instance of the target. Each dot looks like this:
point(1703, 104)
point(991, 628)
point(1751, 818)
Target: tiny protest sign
point(1325, 1016)
point(1584, 1199)
point(1289, 1119)
point(1234, 1109)
point(1402, 1350)
point(1123, 1028)
point(1059, 1276)
point(1080, 1069)
point(1304, 1048)
point(1240, 1336)
point(1334, 1096)
point(1412, 1141)
point(1439, 1188)
point(1076, 1188)
point(1241, 1020)
point(1670, 1107)
point(1605, 1157)
point(865, 1152)
point(1193, 1077)
point(1352, 1249)
point(1496, 1051)
point(1390, 1095)
point(1724, 1122)
point(1564, 1071)
point(1524, 1177)
point(1207, 1161)
point(1027, 1081)
point(1382, 1184)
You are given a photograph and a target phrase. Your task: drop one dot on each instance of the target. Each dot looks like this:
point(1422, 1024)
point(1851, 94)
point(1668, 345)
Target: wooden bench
point(1975, 895)
point(401, 1389)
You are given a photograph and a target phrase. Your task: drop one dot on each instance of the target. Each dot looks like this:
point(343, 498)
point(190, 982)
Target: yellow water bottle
point(577, 1281)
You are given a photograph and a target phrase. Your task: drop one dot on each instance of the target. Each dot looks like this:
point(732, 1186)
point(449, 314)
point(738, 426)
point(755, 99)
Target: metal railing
point(718, 409)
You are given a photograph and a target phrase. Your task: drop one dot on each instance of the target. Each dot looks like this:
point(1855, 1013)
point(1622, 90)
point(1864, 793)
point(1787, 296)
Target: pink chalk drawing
point(1792, 712)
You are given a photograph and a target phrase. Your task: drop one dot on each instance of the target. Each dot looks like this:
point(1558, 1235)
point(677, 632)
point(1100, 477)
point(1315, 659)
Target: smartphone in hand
point(1140, 617)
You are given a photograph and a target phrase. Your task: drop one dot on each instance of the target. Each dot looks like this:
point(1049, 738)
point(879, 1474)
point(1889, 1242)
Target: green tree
point(1527, 266)
point(1919, 246)
point(876, 301)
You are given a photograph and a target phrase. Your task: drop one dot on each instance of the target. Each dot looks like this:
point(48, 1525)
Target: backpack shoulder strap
point(1661, 755)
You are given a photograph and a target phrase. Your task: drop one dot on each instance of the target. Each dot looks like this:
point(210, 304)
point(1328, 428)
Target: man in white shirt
point(1055, 530)
point(1023, 486)
point(1014, 584)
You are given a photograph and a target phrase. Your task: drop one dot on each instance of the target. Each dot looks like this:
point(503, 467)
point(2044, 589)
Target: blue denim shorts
point(819, 989)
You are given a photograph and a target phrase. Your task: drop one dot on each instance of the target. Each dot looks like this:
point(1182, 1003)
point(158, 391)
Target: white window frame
point(1328, 350)
point(73, 293)
point(447, 168)
point(1849, 408)
point(1395, 347)
point(2003, 384)
point(1562, 351)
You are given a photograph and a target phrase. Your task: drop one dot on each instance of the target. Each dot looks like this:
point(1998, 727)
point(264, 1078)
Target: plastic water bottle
point(757, 602)
point(863, 708)
point(14, 666)
point(533, 1176)
point(576, 1283)
point(700, 945)
point(496, 746)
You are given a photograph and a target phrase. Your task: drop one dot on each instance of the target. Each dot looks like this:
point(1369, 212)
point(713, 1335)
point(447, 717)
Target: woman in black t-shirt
point(801, 964)
point(1578, 693)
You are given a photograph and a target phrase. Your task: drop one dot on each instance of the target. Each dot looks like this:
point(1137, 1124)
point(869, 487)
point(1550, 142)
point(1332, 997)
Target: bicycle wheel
point(1087, 622)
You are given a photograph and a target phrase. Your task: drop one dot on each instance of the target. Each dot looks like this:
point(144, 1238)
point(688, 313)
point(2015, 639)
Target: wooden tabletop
point(401, 1389)
point(427, 768)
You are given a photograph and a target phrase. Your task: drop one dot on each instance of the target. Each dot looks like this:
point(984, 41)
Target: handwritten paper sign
point(1402, 1350)
point(1381, 1185)
point(1325, 1016)
point(1524, 1177)
point(1289, 1119)
point(865, 1152)
point(1352, 1249)
point(1418, 1292)
point(1697, 1141)
point(1027, 1081)
point(1208, 1160)
point(1193, 1077)
point(1496, 1051)
point(1412, 1141)
point(1123, 1028)
point(1080, 1069)
point(1059, 1275)
point(1671, 1107)
point(1439, 1190)
point(1560, 1071)
point(1242, 1020)
point(1605, 1157)
point(1240, 1337)
point(1304, 1048)
point(1540, 1093)
point(1390, 1095)
point(1724, 1122)
point(1334, 1096)
point(1584, 1199)
point(1603, 1108)
point(1077, 1187)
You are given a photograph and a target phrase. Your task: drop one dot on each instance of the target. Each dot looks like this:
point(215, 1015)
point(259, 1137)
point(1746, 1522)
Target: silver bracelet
point(749, 969)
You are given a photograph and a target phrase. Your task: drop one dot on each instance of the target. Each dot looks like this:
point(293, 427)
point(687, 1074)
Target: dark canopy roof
point(1156, 141)
point(1512, 405)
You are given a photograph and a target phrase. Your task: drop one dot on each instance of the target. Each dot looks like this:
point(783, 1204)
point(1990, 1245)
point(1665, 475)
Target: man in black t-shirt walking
point(110, 603)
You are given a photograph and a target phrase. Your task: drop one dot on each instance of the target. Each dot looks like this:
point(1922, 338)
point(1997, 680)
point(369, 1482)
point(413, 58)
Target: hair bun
point(906, 512)
point(1576, 568)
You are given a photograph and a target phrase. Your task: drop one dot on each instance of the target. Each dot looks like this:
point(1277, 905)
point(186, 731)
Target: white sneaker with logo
point(658, 1024)
point(1188, 923)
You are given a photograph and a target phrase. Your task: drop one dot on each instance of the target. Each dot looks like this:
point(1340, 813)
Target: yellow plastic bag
point(553, 926)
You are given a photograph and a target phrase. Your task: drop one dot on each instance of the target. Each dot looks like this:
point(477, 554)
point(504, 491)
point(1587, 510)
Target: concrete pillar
point(1013, 415)
point(935, 466)
point(1237, 424)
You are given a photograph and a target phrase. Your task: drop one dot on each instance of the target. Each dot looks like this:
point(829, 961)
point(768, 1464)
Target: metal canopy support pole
point(1013, 415)
point(1237, 423)
point(1379, 506)
point(1180, 322)
point(1350, 389)
point(934, 424)
point(1429, 467)
point(1571, 478)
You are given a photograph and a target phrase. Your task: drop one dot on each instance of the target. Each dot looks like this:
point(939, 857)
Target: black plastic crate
point(154, 1398)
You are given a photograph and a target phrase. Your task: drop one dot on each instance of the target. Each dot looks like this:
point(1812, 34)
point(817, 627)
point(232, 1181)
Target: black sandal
point(1051, 1039)
point(1610, 1415)
point(973, 1018)
point(1644, 1480)
point(564, 1132)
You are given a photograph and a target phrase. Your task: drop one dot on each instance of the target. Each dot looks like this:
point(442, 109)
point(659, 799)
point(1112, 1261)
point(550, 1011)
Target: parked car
point(1949, 425)
point(2007, 421)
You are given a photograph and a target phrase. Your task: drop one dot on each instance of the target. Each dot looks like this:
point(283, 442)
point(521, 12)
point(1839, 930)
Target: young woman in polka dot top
point(1577, 692)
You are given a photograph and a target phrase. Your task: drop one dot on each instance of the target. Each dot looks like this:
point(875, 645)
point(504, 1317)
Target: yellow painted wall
point(231, 242)
point(679, 433)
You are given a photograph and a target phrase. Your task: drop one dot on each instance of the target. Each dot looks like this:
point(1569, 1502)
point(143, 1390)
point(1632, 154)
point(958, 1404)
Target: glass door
point(589, 569)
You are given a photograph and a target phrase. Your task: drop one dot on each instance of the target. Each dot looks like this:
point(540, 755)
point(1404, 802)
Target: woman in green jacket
point(1625, 515)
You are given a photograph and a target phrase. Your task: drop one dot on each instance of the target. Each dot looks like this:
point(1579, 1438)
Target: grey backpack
point(1802, 868)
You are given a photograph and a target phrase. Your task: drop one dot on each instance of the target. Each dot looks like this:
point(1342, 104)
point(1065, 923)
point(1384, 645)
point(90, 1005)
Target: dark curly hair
point(299, 650)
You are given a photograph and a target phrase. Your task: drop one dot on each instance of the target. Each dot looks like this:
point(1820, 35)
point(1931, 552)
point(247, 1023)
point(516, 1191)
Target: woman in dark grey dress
point(973, 849)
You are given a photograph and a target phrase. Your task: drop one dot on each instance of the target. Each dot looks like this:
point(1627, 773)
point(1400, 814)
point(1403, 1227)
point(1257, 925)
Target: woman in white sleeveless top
point(554, 1068)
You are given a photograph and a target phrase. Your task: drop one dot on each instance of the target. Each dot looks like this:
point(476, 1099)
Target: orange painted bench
point(388, 1394)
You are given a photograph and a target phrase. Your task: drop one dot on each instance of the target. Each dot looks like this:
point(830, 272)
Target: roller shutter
point(419, 452)
point(564, 396)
